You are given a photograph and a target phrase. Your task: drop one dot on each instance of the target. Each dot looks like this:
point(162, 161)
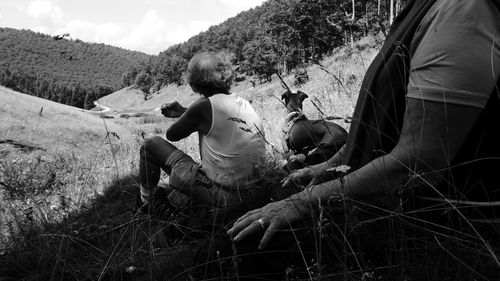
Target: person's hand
point(270, 218)
point(298, 157)
point(172, 110)
point(300, 176)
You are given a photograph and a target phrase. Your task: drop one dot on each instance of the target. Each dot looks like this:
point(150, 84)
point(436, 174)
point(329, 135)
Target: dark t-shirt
point(455, 58)
point(442, 51)
point(455, 53)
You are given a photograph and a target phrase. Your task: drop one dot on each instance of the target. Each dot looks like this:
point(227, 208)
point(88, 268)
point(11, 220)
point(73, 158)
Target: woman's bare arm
point(197, 118)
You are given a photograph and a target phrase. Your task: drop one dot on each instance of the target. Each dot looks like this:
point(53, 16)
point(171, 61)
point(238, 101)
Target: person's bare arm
point(197, 118)
point(431, 136)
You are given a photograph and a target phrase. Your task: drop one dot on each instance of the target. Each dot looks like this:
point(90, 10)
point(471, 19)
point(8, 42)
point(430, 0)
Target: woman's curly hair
point(208, 74)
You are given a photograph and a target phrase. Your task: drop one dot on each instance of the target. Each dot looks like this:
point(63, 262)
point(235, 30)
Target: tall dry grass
point(71, 216)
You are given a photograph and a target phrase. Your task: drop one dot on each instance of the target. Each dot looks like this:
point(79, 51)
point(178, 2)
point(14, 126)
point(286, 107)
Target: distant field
point(132, 100)
point(50, 125)
point(53, 154)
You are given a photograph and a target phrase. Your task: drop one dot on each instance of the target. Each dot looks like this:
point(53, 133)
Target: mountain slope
point(62, 70)
point(131, 99)
point(49, 126)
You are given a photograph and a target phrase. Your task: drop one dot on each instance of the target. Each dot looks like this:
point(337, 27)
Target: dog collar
point(293, 117)
point(290, 120)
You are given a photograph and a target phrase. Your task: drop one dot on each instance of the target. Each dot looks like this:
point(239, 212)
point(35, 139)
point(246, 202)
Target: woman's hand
point(172, 110)
point(298, 157)
point(271, 218)
point(302, 176)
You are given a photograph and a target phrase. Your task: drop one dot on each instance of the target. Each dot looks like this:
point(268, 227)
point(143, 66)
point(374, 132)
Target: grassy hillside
point(53, 155)
point(131, 99)
point(69, 212)
point(51, 126)
point(75, 191)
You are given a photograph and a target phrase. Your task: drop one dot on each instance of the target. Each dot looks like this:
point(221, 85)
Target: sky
point(149, 26)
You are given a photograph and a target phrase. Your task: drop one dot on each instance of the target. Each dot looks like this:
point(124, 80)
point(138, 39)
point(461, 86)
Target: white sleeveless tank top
point(235, 145)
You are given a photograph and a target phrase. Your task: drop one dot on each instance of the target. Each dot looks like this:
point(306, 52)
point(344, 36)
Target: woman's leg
point(185, 176)
point(153, 154)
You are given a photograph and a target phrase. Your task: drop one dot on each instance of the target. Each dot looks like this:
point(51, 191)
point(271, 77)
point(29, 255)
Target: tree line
point(278, 36)
point(63, 70)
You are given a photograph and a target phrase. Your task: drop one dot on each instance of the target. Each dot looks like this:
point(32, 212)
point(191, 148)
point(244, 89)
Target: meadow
point(68, 183)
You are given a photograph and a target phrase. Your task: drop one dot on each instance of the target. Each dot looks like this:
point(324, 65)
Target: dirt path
point(103, 110)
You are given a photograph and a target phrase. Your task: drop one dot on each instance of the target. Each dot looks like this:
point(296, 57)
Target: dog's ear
point(302, 95)
point(286, 97)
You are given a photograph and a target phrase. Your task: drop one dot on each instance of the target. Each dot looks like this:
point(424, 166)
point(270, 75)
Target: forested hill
point(61, 69)
point(278, 36)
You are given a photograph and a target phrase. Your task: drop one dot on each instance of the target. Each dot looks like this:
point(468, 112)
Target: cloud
point(242, 4)
point(153, 35)
point(149, 32)
point(107, 33)
point(42, 29)
point(45, 12)
point(199, 26)
point(182, 33)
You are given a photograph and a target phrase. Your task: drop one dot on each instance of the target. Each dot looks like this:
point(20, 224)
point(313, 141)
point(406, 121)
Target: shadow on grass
point(106, 241)
point(102, 241)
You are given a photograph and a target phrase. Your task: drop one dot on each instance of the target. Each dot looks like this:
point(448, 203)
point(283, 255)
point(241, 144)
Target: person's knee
point(150, 145)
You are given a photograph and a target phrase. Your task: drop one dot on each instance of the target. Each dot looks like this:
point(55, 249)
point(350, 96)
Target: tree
point(144, 81)
point(88, 102)
point(129, 76)
point(169, 69)
point(261, 58)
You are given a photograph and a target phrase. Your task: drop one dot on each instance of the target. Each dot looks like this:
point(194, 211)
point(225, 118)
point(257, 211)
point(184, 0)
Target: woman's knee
point(153, 145)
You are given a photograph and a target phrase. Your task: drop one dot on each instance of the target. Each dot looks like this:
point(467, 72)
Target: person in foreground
point(425, 124)
point(230, 140)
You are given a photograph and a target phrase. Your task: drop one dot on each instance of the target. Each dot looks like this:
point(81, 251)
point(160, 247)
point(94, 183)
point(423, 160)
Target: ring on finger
point(261, 222)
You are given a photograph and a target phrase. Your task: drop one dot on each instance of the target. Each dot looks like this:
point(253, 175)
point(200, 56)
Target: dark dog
point(310, 141)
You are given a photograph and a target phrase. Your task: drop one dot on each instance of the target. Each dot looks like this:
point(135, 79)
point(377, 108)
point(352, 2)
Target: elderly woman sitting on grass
point(231, 143)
